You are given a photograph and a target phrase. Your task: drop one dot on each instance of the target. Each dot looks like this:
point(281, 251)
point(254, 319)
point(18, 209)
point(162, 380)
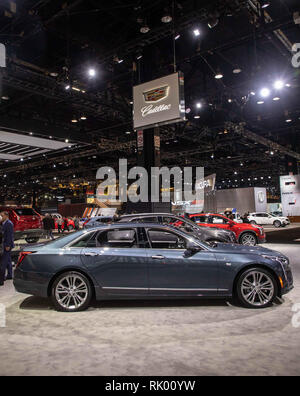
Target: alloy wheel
point(72, 292)
point(257, 289)
point(249, 240)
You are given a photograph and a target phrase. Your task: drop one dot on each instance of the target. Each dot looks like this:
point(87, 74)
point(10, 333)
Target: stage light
point(276, 99)
point(199, 106)
point(177, 36)
point(92, 72)
point(197, 32)
point(145, 29)
point(278, 84)
point(265, 4)
point(261, 102)
point(265, 92)
point(219, 76)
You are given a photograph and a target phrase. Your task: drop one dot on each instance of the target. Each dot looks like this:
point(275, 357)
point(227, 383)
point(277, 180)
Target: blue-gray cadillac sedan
point(140, 261)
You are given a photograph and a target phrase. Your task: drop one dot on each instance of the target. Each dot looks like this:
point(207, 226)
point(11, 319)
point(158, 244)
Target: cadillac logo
point(157, 94)
point(261, 197)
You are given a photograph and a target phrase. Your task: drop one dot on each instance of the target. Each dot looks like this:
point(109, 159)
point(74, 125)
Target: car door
point(118, 261)
point(263, 219)
point(173, 272)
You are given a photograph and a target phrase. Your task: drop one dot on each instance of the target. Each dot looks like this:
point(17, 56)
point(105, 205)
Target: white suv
point(268, 219)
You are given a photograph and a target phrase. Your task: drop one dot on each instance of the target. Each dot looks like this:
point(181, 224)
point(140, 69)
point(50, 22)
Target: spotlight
point(67, 87)
point(199, 106)
point(237, 70)
point(276, 99)
point(145, 29)
point(197, 117)
point(219, 76)
point(265, 4)
point(92, 72)
point(261, 102)
point(279, 84)
point(265, 92)
point(177, 36)
point(167, 18)
point(197, 32)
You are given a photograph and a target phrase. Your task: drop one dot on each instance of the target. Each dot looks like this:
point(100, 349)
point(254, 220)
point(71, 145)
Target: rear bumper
point(35, 284)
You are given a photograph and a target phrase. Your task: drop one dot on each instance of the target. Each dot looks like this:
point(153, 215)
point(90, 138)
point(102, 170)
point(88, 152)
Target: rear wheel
point(277, 224)
point(71, 292)
point(248, 239)
point(256, 288)
point(32, 240)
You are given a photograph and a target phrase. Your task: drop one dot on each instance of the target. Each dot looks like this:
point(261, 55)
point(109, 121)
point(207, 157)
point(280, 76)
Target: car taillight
point(22, 256)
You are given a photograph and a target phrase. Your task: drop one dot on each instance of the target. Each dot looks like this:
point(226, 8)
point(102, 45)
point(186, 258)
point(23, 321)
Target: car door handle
point(91, 254)
point(158, 258)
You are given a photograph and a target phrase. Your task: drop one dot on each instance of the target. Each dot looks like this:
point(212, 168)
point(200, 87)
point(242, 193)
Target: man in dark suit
point(7, 245)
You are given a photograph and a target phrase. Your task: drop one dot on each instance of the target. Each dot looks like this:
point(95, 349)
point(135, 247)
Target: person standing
point(7, 245)
point(76, 222)
point(59, 225)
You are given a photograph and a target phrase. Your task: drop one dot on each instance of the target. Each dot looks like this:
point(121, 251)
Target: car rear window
point(25, 212)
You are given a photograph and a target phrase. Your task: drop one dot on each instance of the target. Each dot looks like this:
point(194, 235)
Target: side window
point(169, 220)
point(218, 220)
point(202, 219)
point(160, 239)
point(87, 241)
point(145, 220)
point(119, 239)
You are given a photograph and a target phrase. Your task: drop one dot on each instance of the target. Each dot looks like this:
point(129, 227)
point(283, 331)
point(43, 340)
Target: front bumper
point(288, 282)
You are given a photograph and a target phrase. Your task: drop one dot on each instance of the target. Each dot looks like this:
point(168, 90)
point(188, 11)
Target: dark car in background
point(203, 233)
point(145, 261)
point(27, 223)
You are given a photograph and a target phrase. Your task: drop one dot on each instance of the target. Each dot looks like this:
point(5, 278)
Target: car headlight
point(283, 261)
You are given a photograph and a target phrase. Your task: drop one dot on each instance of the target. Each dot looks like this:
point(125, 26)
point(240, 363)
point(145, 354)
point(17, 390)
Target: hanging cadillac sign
point(159, 102)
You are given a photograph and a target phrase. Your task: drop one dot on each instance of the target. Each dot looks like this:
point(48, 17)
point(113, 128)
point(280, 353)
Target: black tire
point(32, 240)
point(87, 299)
point(266, 277)
point(246, 239)
point(277, 224)
point(253, 222)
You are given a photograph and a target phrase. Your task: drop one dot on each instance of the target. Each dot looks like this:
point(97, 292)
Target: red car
point(27, 223)
point(246, 234)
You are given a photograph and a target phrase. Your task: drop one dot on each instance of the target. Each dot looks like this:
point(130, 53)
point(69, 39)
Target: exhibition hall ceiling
point(71, 68)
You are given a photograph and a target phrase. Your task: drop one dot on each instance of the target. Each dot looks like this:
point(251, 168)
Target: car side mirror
point(192, 249)
point(188, 228)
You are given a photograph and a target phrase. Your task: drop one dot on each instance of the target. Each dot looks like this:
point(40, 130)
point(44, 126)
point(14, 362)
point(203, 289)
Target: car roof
point(149, 214)
point(131, 225)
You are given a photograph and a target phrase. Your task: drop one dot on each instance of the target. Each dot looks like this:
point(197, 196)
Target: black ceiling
point(51, 44)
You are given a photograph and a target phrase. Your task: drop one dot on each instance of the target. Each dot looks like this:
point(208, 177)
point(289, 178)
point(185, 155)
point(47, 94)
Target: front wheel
point(71, 292)
point(248, 239)
point(277, 224)
point(257, 288)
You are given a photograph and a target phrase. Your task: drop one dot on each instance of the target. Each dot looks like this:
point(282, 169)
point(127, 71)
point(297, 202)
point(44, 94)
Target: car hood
point(237, 249)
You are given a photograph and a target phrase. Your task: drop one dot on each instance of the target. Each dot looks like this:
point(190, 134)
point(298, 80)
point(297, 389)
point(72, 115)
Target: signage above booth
point(159, 102)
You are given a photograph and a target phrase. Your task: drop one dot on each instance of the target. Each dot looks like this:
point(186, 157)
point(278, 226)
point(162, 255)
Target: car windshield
point(25, 212)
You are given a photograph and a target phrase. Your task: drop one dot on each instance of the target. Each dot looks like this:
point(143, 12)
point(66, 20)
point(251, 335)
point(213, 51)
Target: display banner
point(290, 195)
point(159, 102)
